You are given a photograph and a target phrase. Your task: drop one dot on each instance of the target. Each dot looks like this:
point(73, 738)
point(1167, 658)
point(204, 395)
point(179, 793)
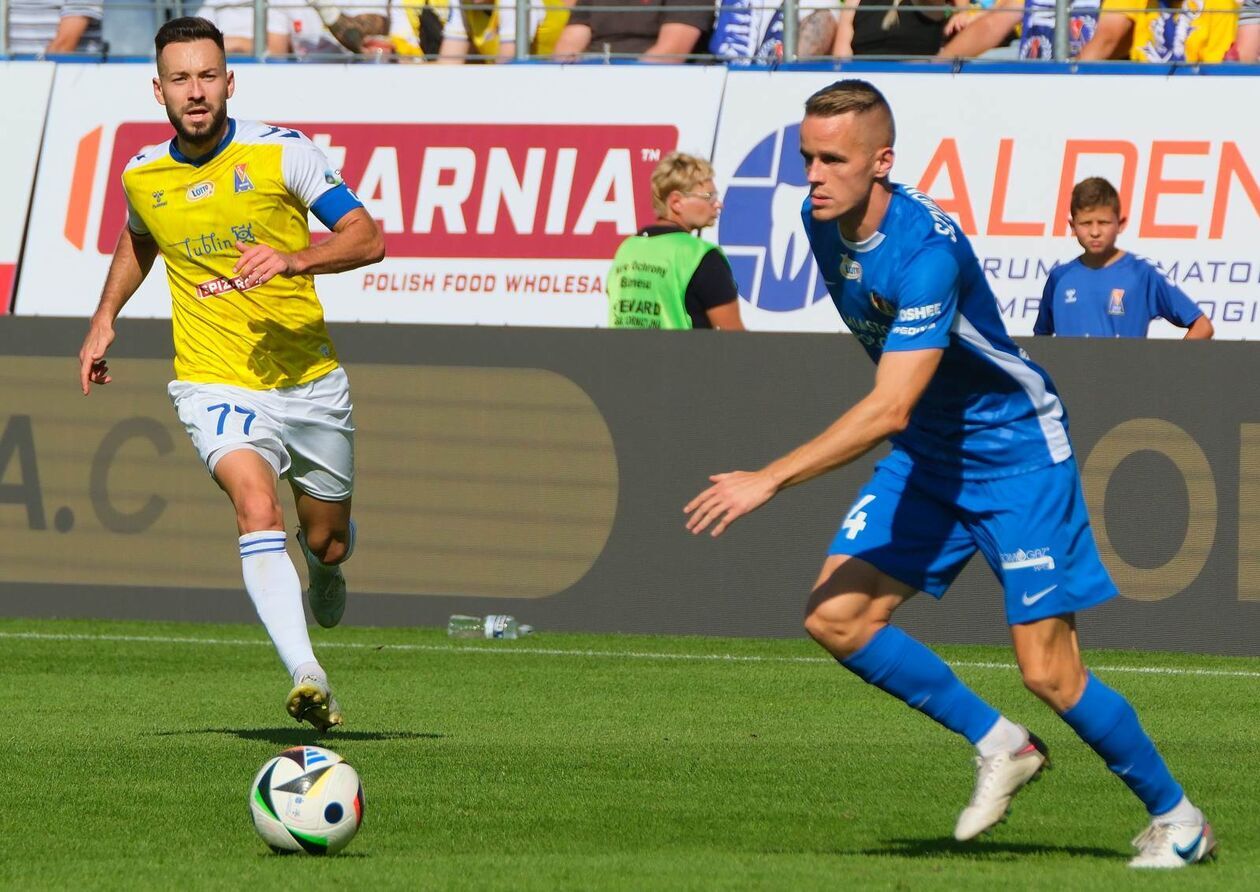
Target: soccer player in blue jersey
point(1108, 292)
point(980, 461)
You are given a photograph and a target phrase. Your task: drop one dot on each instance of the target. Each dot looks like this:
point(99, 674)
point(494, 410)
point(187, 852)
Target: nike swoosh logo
point(1030, 600)
point(1187, 853)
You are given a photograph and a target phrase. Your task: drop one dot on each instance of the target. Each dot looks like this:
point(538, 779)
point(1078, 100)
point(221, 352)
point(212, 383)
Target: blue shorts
point(1032, 528)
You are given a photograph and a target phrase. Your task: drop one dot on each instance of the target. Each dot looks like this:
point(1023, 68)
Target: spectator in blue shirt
point(1108, 292)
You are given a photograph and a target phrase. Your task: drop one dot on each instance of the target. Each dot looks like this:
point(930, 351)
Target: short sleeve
point(310, 178)
point(82, 8)
point(926, 301)
point(134, 223)
point(712, 284)
point(507, 21)
point(1171, 303)
point(455, 28)
point(580, 14)
point(1045, 313)
point(238, 21)
point(687, 13)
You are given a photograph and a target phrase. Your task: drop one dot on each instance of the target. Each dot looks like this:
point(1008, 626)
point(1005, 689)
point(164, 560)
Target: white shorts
point(306, 433)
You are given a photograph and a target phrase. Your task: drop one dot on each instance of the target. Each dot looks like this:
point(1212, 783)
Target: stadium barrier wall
point(503, 212)
point(26, 87)
point(542, 472)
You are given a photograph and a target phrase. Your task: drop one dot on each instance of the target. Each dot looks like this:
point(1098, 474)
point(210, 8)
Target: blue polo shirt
point(1117, 301)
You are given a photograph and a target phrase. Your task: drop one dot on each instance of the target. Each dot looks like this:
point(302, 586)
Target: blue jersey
point(1117, 301)
point(989, 411)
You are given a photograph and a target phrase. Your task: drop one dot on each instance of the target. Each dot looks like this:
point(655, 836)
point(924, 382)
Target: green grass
point(577, 761)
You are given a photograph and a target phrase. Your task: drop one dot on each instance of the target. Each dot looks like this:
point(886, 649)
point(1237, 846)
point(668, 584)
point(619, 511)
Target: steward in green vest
point(665, 276)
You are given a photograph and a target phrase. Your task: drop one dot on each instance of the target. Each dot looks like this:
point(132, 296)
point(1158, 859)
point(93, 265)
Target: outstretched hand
point(731, 496)
point(261, 263)
point(92, 366)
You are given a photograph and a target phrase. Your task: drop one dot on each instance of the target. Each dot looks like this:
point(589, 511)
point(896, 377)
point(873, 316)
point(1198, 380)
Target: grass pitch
point(579, 762)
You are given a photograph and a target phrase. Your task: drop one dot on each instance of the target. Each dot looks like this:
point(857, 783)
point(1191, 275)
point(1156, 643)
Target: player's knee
point(259, 511)
point(840, 633)
point(1057, 688)
point(326, 545)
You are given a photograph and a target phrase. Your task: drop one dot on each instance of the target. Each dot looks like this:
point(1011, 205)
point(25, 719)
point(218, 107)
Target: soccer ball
point(307, 799)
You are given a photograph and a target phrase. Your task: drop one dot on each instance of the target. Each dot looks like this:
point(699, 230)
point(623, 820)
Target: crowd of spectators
point(457, 31)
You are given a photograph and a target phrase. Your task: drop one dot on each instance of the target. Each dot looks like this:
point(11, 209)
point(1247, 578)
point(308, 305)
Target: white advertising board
point(503, 192)
point(25, 87)
point(1001, 154)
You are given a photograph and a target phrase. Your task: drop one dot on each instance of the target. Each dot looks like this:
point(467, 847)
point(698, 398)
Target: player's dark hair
point(851, 95)
point(186, 30)
point(1095, 192)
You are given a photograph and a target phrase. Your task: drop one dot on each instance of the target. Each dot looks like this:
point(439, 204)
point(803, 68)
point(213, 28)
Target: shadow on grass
point(301, 736)
point(984, 850)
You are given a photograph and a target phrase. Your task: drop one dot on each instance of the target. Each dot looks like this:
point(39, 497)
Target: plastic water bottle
point(496, 625)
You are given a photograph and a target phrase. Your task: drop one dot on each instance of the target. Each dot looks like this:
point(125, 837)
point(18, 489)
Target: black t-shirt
point(711, 285)
point(634, 29)
point(914, 33)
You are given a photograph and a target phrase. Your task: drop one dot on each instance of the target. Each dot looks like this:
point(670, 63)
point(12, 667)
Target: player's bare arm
point(133, 258)
point(900, 380)
point(1200, 330)
point(356, 241)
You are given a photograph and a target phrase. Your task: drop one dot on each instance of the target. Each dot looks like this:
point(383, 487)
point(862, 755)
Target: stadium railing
point(129, 40)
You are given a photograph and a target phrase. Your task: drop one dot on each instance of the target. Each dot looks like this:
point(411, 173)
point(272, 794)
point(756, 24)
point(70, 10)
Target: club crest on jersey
point(1069, 296)
point(199, 191)
point(883, 304)
point(1116, 306)
point(850, 268)
point(241, 181)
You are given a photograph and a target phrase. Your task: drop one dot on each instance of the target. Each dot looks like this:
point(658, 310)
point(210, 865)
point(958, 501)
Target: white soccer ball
point(307, 799)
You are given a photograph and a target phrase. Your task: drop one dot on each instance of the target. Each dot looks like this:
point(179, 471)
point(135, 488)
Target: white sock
point(1004, 737)
point(1182, 813)
point(274, 587)
point(309, 668)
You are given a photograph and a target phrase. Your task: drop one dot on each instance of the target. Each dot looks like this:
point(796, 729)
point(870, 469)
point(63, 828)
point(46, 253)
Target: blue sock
point(1105, 720)
point(896, 663)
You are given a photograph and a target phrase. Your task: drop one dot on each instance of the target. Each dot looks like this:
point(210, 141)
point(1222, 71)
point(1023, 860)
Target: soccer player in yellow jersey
point(257, 383)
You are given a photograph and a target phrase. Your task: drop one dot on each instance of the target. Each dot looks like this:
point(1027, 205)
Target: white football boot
point(1170, 844)
point(998, 779)
point(311, 700)
point(326, 587)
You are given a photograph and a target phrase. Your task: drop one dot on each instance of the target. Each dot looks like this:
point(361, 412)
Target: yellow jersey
point(254, 188)
point(1194, 31)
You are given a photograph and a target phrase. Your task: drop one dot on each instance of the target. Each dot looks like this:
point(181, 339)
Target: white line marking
point(562, 652)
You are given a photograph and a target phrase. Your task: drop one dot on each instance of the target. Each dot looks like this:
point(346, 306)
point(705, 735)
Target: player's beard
point(207, 133)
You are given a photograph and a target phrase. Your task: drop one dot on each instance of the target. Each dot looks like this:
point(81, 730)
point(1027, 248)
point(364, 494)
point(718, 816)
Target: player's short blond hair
point(857, 97)
point(1093, 193)
point(677, 172)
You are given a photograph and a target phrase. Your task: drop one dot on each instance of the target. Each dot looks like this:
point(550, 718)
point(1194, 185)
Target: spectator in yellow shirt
point(1164, 30)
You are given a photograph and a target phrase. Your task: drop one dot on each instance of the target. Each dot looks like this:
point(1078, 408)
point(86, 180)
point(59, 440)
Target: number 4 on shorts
point(856, 521)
